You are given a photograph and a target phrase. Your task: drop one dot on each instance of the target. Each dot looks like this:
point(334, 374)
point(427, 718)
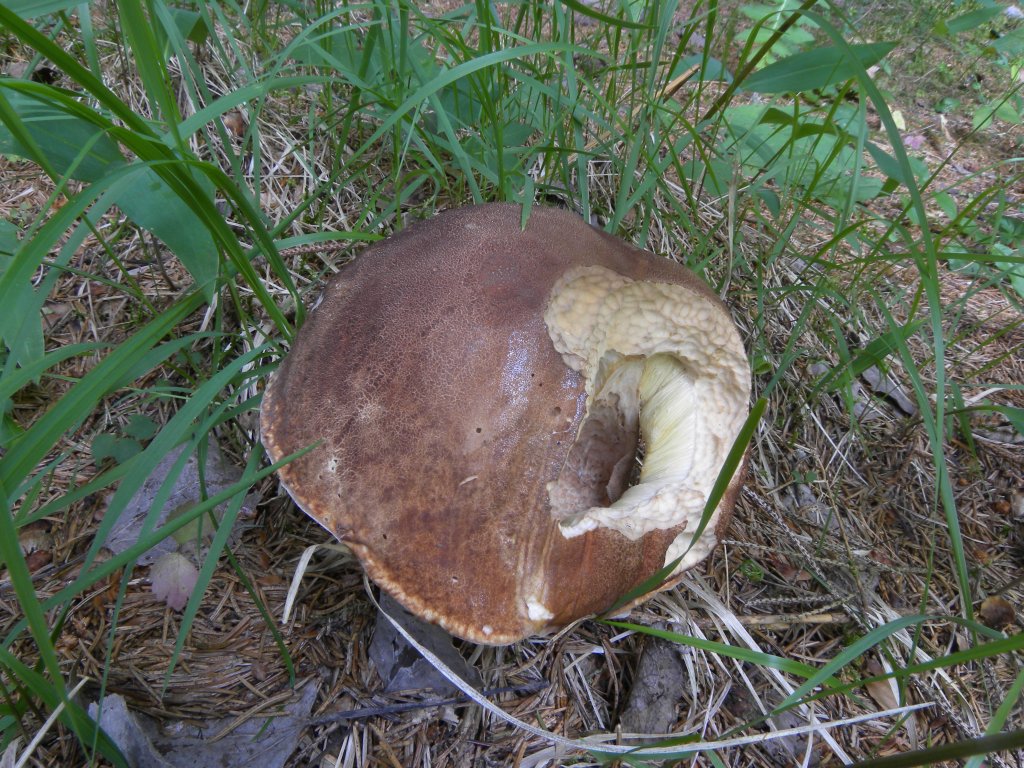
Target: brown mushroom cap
point(482, 392)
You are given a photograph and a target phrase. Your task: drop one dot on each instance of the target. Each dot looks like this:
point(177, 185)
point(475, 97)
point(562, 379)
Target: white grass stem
point(300, 571)
point(597, 743)
point(730, 619)
point(41, 733)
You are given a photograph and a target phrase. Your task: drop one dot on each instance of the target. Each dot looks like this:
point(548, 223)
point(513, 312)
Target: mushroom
point(514, 426)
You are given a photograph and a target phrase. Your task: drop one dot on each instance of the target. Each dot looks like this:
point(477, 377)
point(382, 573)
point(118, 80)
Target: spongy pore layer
point(665, 370)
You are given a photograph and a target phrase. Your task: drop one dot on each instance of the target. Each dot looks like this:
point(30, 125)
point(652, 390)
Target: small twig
point(1008, 585)
point(394, 709)
point(320, 249)
point(155, 256)
point(809, 560)
point(785, 620)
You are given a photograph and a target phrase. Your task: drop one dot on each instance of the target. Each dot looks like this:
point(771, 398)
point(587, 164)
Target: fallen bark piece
point(657, 688)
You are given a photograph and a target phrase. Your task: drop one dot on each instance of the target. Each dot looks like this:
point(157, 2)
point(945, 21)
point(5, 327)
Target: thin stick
point(394, 709)
point(785, 620)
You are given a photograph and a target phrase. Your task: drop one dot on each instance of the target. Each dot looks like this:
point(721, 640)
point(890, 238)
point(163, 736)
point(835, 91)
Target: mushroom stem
point(668, 419)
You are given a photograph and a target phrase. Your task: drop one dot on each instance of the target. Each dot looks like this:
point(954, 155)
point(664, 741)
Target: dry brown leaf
point(996, 612)
point(881, 691)
point(234, 122)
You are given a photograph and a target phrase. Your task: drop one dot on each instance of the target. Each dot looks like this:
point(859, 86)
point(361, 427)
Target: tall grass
point(606, 111)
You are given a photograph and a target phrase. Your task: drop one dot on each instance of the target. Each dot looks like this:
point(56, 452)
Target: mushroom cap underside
point(482, 393)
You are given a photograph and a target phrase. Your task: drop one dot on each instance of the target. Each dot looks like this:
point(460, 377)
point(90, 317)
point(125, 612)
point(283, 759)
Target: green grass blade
point(1002, 715)
point(102, 570)
point(76, 719)
point(22, 376)
point(209, 565)
point(944, 753)
point(52, 691)
point(922, 249)
point(73, 407)
point(818, 68)
point(799, 669)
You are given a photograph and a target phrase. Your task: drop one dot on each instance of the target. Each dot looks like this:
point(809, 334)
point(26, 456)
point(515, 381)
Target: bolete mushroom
point(516, 426)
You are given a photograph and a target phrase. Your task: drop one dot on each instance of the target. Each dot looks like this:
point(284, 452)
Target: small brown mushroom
point(518, 425)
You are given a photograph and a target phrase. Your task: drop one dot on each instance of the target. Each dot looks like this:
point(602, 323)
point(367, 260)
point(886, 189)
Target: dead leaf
point(172, 578)
point(38, 559)
point(264, 741)
point(996, 612)
point(1017, 505)
point(234, 122)
point(10, 756)
point(219, 474)
point(17, 70)
point(883, 386)
point(35, 537)
point(913, 141)
point(783, 567)
point(36, 544)
point(882, 691)
point(401, 666)
point(783, 750)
